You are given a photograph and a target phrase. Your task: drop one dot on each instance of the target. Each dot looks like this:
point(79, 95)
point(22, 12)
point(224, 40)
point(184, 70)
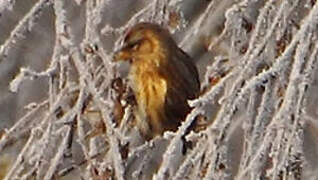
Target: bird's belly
point(150, 90)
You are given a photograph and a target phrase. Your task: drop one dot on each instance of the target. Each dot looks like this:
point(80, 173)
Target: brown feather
point(163, 78)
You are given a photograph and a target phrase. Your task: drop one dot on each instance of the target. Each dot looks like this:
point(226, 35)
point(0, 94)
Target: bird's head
point(143, 39)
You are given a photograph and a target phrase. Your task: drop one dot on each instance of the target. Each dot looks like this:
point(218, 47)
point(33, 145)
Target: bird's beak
point(122, 54)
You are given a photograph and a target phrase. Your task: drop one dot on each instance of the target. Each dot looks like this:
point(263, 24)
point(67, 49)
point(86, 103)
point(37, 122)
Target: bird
point(162, 77)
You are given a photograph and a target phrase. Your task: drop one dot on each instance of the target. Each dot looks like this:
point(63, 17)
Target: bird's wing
point(185, 74)
point(183, 84)
point(192, 76)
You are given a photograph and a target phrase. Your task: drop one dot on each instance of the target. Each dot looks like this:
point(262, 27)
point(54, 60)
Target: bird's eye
point(134, 46)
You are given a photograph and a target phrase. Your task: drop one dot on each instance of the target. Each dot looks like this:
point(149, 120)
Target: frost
point(255, 118)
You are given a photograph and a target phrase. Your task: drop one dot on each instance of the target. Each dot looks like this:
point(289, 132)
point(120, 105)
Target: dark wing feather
point(183, 85)
point(192, 75)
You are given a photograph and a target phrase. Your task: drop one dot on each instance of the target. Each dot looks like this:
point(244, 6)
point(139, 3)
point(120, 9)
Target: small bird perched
point(162, 76)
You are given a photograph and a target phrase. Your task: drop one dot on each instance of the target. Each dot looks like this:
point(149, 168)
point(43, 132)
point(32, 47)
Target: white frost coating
point(173, 152)
point(14, 84)
point(65, 132)
point(257, 74)
point(191, 161)
point(24, 26)
point(15, 168)
point(6, 5)
point(194, 29)
point(27, 73)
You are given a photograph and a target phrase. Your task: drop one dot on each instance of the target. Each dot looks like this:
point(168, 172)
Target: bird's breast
point(150, 89)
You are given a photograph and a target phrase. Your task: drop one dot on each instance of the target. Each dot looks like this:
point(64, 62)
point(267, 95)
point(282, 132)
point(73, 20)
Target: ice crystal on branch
point(72, 114)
